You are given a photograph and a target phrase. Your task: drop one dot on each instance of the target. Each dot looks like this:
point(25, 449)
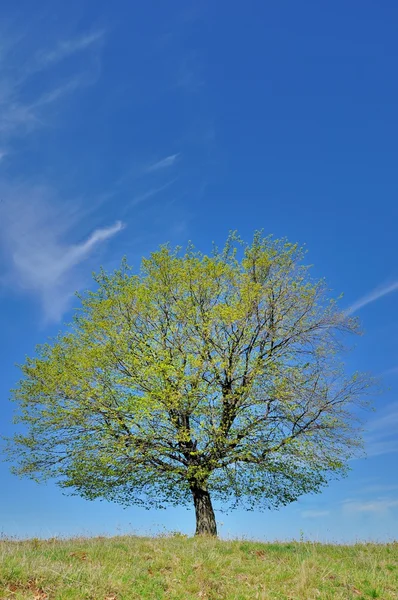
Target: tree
point(200, 376)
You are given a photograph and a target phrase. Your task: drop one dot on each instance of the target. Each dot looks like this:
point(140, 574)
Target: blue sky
point(124, 125)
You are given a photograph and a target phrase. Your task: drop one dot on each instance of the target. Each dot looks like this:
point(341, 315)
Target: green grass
point(182, 568)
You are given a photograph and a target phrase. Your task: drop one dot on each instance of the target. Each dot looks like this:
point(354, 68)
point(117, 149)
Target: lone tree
point(200, 376)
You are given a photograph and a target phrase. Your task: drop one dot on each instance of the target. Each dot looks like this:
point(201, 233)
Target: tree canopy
point(198, 377)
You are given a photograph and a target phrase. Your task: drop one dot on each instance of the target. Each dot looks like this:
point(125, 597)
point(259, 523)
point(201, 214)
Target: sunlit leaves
point(220, 371)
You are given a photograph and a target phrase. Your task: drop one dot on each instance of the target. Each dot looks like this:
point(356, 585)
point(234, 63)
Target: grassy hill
point(182, 568)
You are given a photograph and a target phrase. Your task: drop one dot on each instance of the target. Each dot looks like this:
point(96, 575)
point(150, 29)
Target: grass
point(180, 568)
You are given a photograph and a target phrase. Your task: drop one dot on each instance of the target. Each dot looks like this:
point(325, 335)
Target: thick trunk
point(205, 519)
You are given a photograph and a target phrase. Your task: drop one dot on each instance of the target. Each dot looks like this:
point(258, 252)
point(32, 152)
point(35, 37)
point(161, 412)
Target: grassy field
point(182, 568)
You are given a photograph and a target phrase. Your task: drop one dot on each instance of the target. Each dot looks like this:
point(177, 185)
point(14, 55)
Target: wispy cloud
point(44, 241)
point(392, 371)
point(37, 235)
point(23, 97)
point(380, 433)
point(169, 161)
point(380, 487)
point(78, 252)
point(15, 117)
point(315, 514)
point(18, 117)
point(378, 507)
point(387, 420)
point(379, 448)
point(150, 193)
point(66, 48)
point(58, 92)
point(372, 297)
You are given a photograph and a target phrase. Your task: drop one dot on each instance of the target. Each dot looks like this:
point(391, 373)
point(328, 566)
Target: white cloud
point(15, 118)
point(18, 118)
point(392, 371)
point(169, 161)
point(22, 101)
point(379, 448)
point(386, 421)
point(372, 297)
point(314, 514)
point(380, 487)
point(36, 232)
point(68, 47)
point(58, 92)
point(44, 243)
point(380, 433)
point(150, 193)
point(380, 506)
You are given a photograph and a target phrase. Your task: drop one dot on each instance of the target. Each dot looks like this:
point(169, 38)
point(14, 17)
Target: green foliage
point(219, 372)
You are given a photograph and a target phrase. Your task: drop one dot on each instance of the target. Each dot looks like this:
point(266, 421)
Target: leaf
point(219, 373)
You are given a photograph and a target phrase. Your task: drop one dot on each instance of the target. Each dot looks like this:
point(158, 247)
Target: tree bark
point(205, 518)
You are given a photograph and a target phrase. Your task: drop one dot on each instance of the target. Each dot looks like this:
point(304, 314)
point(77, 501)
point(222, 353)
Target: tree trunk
point(205, 519)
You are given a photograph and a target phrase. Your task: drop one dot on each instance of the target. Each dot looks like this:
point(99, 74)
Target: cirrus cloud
point(372, 296)
point(41, 244)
